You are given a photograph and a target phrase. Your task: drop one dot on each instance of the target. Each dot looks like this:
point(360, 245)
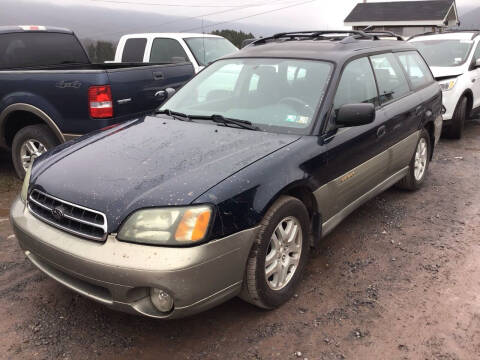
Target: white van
point(199, 49)
point(454, 58)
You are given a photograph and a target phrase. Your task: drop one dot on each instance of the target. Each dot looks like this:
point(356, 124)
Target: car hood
point(449, 71)
point(149, 162)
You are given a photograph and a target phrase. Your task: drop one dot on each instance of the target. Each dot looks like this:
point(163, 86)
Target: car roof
point(460, 35)
point(170, 35)
point(328, 50)
point(32, 28)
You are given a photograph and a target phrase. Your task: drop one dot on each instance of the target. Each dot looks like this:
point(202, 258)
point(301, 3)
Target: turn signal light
point(194, 224)
point(100, 101)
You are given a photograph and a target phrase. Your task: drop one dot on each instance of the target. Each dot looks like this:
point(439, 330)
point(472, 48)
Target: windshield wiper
point(174, 114)
point(220, 119)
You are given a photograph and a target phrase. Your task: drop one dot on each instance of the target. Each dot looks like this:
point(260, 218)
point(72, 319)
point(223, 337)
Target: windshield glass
point(443, 53)
point(278, 95)
point(207, 49)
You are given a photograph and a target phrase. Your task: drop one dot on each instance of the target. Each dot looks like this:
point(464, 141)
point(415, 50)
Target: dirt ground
point(398, 279)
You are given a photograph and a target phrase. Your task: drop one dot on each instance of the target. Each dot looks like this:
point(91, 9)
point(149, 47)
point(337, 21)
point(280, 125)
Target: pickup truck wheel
point(454, 130)
point(279, 254)
point(29, 143)
point(417, 171)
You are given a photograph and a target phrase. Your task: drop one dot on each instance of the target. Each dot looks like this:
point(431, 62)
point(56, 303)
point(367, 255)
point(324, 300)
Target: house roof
point(401, 11)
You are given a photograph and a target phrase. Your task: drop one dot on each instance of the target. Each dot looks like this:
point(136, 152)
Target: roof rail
point(384, 33)
point(476, 32)
point(315, 34)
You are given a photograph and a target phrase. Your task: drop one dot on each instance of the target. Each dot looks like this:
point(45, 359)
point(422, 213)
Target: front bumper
point(120, 274)
point(449, 99)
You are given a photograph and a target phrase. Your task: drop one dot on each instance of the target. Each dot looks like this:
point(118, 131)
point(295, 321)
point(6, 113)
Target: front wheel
point(28, 144)
point(454, 130)
point(417, 171)
point(279, 254)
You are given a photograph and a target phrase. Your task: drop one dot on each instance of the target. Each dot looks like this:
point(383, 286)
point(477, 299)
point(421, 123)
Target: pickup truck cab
point(50, 92)
point(199, 49)
point(225, 191)
point(454, 57)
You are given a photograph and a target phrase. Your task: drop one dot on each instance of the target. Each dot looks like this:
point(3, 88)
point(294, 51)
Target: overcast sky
point(299, 14)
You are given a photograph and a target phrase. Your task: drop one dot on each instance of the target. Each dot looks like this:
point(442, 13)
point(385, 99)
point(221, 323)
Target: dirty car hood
point(151, 162)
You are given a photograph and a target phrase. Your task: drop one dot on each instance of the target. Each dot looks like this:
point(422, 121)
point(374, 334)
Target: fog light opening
point(161, 300)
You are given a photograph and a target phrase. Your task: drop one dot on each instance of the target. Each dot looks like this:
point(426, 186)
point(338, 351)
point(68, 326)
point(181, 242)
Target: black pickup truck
point(50, 92)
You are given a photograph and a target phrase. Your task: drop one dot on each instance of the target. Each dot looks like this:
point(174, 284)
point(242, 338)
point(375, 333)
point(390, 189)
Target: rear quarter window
point(134, 50)
point(415, 68)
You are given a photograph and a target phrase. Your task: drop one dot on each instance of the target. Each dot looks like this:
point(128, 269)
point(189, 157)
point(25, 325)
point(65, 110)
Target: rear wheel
point(28, 144)
point(417, 171)
point(279, 254)
point(454, 130)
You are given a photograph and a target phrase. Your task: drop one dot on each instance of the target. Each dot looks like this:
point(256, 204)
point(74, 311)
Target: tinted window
point(167, 51)
point(357, 85)
point(208, 49)
point(20, 50)
point(134, 50)
point(390, 78)
point(416, 69)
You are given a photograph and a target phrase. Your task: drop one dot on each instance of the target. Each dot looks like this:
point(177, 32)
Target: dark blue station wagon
point(242, 171)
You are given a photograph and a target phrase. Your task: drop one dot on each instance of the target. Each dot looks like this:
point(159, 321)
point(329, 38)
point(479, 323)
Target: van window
point(167, 51)
point(416, 68)
point(357, 85)
point(134, 49)
point(391, 81)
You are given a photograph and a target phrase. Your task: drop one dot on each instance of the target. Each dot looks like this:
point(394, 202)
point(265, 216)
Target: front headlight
point(167, 226)
point(26, 183)
point(446, 85)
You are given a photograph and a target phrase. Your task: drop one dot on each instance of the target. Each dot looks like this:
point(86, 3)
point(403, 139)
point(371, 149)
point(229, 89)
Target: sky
point(299, 14)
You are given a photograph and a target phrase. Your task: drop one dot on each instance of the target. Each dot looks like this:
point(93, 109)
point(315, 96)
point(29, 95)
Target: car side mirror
point(355, 114)
point(165, 94)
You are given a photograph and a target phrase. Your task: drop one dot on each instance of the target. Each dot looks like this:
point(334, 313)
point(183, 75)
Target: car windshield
point(209, 49)
point(444, 53)
point(277, 95)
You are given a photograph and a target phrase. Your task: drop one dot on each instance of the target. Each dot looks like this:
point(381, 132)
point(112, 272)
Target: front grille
point(69, 217)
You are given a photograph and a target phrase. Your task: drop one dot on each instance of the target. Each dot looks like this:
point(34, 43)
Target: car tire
point(269, 292)
point(418, 167)
point(39, 138)
point(454, 130)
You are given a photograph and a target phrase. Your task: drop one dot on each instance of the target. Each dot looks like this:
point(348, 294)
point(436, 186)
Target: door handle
point(158, 75)
point(382, 130)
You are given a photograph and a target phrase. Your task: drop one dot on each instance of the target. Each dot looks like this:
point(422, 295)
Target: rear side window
point(357, 85)
point(416, 68)
point(134, 49)
point(167, 51)
point(392, 83)
point(37, 49)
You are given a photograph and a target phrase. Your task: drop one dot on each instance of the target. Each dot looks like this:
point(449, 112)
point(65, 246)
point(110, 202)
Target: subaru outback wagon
point(243, 170)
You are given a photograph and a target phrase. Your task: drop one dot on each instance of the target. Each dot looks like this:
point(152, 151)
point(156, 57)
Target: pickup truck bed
point(58, 98)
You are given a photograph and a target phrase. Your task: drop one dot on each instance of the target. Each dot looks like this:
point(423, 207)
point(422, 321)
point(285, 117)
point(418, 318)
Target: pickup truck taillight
point(100, 101)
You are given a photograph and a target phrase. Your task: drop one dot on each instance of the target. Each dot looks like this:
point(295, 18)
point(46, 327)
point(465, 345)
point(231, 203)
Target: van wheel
point(417, 171)
point(279, 254)
point(29, 143)
point(455, 129)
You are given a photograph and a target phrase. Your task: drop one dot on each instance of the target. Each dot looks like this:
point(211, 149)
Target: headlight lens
point(167, 226)
point(26, 183)
point(446, 85)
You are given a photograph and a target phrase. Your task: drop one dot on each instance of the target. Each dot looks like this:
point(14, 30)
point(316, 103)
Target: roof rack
point(344, 35)
point(476, 32)
point(384, 33)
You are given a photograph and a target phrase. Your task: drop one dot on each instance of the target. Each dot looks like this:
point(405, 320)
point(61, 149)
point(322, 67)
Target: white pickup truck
point(199, 49)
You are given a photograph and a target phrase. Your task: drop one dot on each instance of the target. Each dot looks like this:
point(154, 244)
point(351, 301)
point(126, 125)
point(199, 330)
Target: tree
point(235, 37)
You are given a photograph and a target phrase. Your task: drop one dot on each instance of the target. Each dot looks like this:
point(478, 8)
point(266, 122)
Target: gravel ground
point(398, 279)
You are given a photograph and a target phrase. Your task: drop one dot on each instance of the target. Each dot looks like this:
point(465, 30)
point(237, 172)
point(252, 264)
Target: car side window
point(415, 68)
point(167, 51)
point(392, 83)
point(134, 49)
point(357, 85)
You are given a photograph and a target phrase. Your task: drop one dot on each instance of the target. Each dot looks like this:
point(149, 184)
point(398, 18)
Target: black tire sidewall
point(37, 132)
point(274, 298)
point(458, 120)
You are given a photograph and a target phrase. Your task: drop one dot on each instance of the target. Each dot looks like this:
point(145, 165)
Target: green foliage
point(235, 37)
point(100, 51)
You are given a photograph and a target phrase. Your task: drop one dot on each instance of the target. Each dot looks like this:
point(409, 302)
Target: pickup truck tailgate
point(134, 88)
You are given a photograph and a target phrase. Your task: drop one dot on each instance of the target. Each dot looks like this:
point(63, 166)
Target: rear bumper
point(120, 274)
